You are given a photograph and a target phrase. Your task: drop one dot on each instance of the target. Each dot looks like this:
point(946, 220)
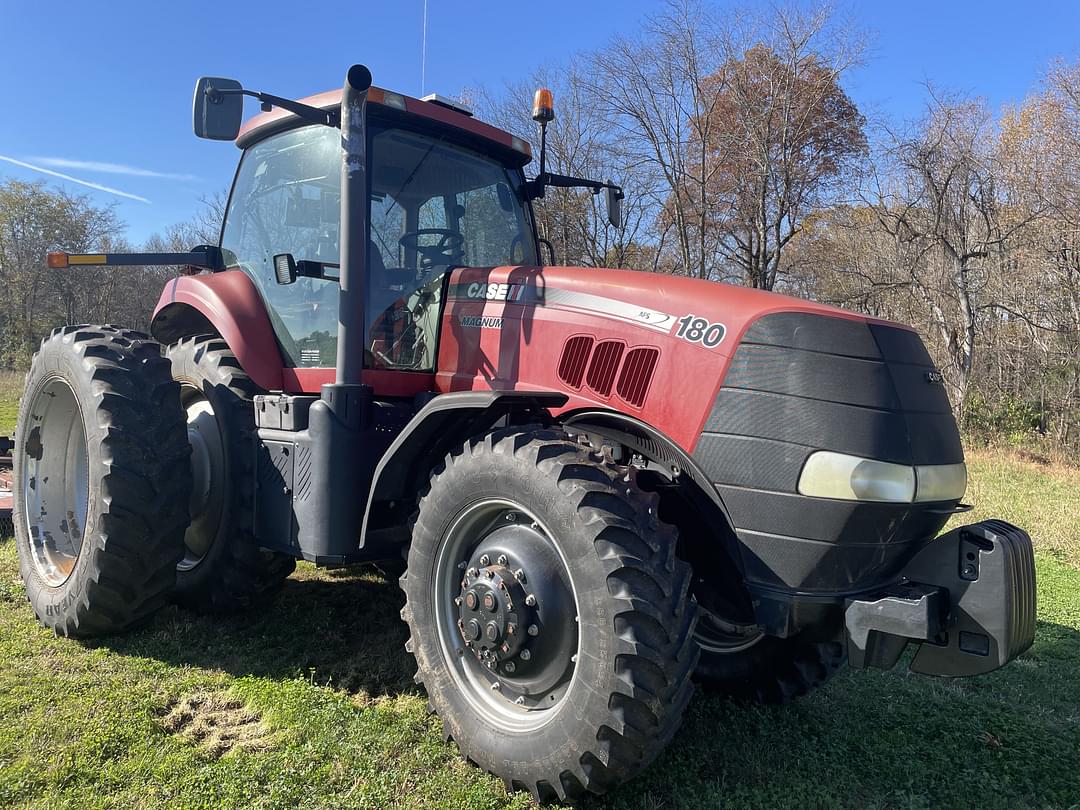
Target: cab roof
point(277, 120)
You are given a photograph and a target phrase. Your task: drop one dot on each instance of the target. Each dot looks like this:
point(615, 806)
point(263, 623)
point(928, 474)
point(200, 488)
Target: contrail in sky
point(69, 178)
point(109, 168)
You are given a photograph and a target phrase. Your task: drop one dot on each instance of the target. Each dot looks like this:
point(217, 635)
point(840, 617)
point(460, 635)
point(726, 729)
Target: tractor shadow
point(338, 628)
point(882, 739)
point(867, 739)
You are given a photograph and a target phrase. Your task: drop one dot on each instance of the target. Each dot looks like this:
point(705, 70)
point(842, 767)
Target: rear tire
point(567, 556)
point(101, 481)
point(223, 569)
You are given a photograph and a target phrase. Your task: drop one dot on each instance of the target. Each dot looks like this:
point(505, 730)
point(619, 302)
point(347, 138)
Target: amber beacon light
point(543, 106)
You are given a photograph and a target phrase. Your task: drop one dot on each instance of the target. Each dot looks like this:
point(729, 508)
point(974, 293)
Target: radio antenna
point(423, 54)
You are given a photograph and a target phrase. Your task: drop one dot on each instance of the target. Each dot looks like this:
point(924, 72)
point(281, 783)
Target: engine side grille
point(575, 359)
point(637, 372)
point(604, 366)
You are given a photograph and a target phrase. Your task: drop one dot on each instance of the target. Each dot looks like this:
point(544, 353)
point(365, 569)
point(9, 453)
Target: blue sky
point(101, 92)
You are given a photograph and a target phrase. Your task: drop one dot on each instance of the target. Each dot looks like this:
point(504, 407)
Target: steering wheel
point(444, 252)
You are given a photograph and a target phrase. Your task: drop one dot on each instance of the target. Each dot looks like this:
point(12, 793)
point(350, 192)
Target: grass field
point(310, 703)
point(10, 386)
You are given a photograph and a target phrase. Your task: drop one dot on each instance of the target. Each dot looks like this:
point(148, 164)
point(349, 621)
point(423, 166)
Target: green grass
point(1043, 498)
point(315, 697)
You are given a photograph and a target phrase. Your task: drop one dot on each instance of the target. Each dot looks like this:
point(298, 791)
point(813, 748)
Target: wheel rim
point(506, 614)
point(714, 634)
point(208, 475)
point(55, 479)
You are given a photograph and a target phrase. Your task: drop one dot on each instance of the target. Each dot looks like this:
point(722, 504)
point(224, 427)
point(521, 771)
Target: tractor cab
point(441, 196)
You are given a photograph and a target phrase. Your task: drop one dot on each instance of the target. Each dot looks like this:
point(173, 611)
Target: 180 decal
point(699, 330)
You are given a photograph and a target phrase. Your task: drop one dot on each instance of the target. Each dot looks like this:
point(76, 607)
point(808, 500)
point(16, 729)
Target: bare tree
point(651, 90)
point(783, 138)
point(944, 205)
point(580, 144)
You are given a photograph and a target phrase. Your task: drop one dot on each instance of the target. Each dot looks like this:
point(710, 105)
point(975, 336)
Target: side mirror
point(217, 108)
point(284, 268)
point(614, 204)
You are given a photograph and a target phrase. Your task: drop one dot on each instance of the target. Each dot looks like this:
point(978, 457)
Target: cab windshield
point(435, 205)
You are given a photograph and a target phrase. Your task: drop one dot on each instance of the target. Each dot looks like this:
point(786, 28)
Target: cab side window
point(287, 199)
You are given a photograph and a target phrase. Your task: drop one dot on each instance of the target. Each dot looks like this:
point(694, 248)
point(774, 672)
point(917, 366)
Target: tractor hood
point(657, 345)
point(757, 387)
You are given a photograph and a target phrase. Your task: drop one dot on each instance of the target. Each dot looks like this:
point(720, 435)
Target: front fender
point(226, 303)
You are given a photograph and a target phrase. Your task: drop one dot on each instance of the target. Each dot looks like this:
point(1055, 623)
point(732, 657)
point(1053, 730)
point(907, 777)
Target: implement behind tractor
point(602, 485)
point(7, 528)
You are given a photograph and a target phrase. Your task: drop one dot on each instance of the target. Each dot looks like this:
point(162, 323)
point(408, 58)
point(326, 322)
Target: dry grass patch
point(217, 723)
point(1043, 498)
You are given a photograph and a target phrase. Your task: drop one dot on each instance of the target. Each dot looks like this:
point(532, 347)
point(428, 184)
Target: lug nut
point(511, 629)
point(470, 600)
point(510, 666)
point(485, 559)
point(457, 601)
point(491, 631)
point(519, 575)
point(472, 630)
point(472, 572)
point(496, 686)
point(533, 630)
point(520, 701)
point(489, 601)
point(502, 559)
point(530, 600)
point(525, 655)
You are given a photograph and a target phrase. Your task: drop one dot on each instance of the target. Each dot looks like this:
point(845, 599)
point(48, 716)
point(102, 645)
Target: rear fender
point(227, 304)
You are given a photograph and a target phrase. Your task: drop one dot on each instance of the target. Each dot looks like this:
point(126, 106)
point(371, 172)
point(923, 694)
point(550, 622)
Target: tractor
point(600, 488)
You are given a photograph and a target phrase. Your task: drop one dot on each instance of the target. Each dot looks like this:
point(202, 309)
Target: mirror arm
point(329, 118)
point(534, 188)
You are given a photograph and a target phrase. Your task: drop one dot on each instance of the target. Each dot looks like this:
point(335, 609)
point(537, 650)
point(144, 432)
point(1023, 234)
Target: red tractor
point(604, 485)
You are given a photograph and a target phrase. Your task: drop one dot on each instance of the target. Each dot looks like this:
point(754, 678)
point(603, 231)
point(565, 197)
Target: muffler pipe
point(354, 226)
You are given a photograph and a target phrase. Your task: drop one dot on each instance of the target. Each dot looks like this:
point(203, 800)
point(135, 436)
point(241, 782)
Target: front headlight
point(941, 482)
point(837, 475)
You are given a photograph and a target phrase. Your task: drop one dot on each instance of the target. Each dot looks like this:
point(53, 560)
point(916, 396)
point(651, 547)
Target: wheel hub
point(494, 614)
point(514, 611)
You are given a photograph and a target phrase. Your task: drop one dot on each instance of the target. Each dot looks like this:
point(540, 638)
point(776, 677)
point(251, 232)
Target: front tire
point(549, 616)
point(101, 481)
point(744, 663)
point(223, 569)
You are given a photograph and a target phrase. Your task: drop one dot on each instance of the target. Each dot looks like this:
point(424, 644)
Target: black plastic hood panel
point(799, 383)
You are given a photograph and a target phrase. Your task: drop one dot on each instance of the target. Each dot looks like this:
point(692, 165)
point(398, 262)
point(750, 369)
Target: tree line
point(744, 160)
